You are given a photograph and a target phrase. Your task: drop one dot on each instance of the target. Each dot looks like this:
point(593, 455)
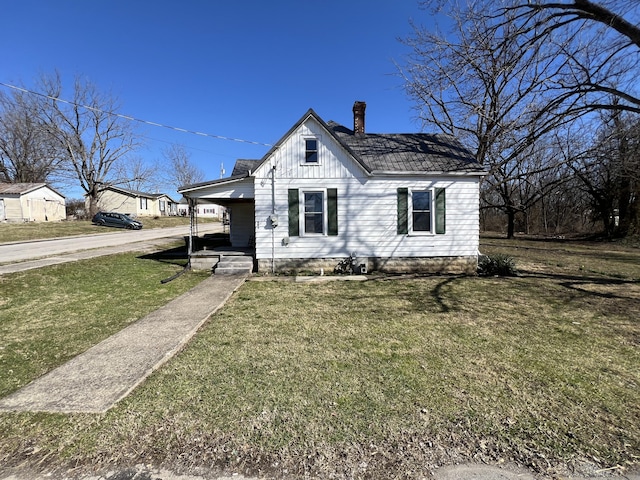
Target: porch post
point(192, 225)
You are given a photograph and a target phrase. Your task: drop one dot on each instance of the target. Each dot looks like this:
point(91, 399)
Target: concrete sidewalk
point(95, 380)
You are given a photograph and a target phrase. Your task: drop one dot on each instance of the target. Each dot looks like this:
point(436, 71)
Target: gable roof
point(23, 188)
point(377, 154)
point(136, 193)
point(395, 153)
point(312, 114)
point(243, 167)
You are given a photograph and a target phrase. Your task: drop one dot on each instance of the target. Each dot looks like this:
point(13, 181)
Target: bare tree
point(608, 173)
point(480, 84)
point(599, 43)
point(26, 154)
point(137, 174)
point(93, 139)
point(180, 170)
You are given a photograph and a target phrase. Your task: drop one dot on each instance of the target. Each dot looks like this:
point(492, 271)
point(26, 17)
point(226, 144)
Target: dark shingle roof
point(407, 152)
point(243, 167)
point(378, 154)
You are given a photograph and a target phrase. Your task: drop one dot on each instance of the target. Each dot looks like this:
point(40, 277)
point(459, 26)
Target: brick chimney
point(358, 117)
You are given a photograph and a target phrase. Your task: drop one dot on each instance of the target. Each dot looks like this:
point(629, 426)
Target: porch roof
point(237, 188)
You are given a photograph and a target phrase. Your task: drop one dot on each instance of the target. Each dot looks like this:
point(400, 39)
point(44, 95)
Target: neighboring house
point(133, 202)
point(29, 202)
point(402, 202)
point(206, 210)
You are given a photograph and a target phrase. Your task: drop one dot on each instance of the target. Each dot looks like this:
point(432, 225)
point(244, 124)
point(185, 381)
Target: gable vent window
point(311, 151)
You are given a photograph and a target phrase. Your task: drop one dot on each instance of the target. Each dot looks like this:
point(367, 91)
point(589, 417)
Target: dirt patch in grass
point(382, 379)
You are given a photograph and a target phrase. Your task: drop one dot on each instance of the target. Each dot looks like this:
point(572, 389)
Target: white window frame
point(304, 154)
point(432, 207)
point(302, 212)
point(144, 204)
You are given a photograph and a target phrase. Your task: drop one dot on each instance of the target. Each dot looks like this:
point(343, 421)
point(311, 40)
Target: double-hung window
point(421, 211)
point(311, 151)
point(143, 203)
point(313, 212)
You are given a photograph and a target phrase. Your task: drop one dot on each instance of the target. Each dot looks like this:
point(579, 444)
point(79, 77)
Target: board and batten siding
point(367, 206)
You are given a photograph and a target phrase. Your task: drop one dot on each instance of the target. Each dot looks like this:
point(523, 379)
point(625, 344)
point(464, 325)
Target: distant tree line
point(79, 140)
point(545, 93)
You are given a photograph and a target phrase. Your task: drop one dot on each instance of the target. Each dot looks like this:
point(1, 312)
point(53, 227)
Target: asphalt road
point(18, 256)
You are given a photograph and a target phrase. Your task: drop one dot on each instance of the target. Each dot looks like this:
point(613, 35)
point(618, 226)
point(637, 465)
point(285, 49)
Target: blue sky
point(245, 69)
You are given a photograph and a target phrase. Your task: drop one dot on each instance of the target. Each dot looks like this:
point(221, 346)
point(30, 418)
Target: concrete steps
point(233, 265)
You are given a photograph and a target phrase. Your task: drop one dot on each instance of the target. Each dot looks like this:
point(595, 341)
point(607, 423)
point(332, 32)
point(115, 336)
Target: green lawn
point(49, 315)
point(382, 379)
point(16, 232)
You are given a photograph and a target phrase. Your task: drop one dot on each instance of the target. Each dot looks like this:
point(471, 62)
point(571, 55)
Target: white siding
point(241, 189)
point(288, 159)
point(367, 207)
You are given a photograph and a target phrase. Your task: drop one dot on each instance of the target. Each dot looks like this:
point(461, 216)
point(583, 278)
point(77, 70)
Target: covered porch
point(234, 250)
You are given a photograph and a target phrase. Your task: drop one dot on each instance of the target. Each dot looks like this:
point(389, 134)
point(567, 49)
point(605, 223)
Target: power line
point(134, 119)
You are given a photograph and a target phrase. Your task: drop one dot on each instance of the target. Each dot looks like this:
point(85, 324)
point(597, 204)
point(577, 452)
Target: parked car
point(114, 219)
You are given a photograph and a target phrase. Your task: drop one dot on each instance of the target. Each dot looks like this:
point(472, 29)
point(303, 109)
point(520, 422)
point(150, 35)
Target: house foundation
point(464, 265)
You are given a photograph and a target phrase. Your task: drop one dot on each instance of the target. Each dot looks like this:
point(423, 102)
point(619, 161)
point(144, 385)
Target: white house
point(205, 210)
point(31, 202)
point(402, 202)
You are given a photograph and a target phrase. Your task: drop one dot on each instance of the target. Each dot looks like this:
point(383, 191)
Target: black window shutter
point(440, 211)
point(294, 213)
point(403, 210)
point(332, 211)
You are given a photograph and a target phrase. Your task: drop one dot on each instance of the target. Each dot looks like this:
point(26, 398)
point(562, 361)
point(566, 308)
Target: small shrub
point(498, 264)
